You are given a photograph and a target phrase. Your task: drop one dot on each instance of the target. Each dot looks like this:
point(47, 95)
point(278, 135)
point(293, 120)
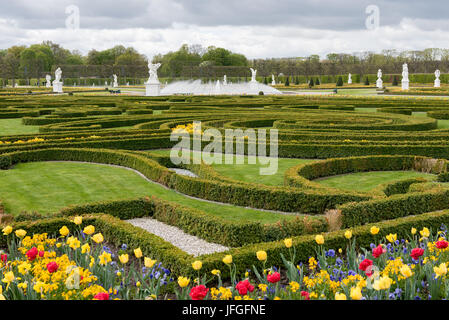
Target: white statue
point(253, 75)
point(405, 82)
point(58, 75)
point(437, 78)
point(349, 79)
point(153, 86)
point(57, 83)
point(225, 80)
point(153, 72)
point(273, 82)
point(48, 79)
point(115, 85)
point(379, 82)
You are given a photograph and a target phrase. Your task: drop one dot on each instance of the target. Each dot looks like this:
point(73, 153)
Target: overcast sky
point(256, 28)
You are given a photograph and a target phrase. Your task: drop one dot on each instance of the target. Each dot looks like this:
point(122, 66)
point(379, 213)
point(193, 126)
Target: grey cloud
point(317, 14)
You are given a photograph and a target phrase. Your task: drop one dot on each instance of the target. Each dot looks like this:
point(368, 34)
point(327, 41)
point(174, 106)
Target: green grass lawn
point(250, 172)
point(14, 127)
point(47, 187)
point(365, 181)
point(442, 124)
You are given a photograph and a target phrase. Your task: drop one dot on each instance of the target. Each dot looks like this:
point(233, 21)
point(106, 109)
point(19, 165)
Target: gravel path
point(190, 244)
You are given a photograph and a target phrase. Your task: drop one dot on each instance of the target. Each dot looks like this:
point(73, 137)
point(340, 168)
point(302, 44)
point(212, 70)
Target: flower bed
point(77, 265)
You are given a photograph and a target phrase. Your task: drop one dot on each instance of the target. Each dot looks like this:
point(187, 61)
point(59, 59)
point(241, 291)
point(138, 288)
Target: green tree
point(340, 81)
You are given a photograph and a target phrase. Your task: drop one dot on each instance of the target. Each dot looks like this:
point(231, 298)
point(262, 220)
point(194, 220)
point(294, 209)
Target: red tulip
point(101, 296)
point(274, 277)
point(32, 253)
point(442, 244)
point(416, 253)
point(52, 267)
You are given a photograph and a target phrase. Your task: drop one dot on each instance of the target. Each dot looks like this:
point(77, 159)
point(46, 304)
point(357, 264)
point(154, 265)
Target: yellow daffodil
point(425, 233)
point(85, 248)
point(8, 277)
point(105, 258)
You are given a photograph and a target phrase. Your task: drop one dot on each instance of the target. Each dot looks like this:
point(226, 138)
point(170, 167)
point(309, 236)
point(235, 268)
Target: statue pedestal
point(253, 85)
point(437, 83)
point(57, 87)
point(115, 85)
point(405, 84)
point(379, 83)
point(48, 85)
point(349, 81)
point(152, 89)
point(273, 83)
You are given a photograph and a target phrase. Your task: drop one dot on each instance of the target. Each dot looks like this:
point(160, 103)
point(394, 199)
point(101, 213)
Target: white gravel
point(177, 237)
point(184, 172)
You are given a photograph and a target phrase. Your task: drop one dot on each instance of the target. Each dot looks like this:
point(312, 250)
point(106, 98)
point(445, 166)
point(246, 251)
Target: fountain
point(196, 87)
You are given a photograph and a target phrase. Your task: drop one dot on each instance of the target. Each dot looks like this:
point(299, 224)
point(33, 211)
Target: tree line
point(195, 61)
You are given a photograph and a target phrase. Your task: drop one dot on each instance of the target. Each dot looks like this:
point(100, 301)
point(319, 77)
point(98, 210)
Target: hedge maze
point(337, 132)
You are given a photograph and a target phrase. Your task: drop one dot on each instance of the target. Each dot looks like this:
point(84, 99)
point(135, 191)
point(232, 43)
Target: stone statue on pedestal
point(405, 82)
point(437, 79)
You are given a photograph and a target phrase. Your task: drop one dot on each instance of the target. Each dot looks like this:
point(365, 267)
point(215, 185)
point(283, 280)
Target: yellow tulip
point(348, 234)
point(288, 243)
point(183, 282)
point(215, 272)
point(21, 233)
point(374, 230)
point(340, 296)
point(227, 259)
point(138, 253)
point(319, 239)
point(413, 231)
point(124, 258)
point(149, 263)
point(7, 230)
point(441, 270)
point(89, 230)
point(392, 237)
point(383, 283)
point(356, 293)
point(197, 265)
point(78, 220)
point(98, 238)
point(261, 255)
point(85, 248)
point(406, 271)
point(64, 231)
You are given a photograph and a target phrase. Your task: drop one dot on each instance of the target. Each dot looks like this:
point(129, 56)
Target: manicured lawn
point(47, 187)
point(365, 181)
point(442, 124)
point(15, 127)
point(250, 172)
